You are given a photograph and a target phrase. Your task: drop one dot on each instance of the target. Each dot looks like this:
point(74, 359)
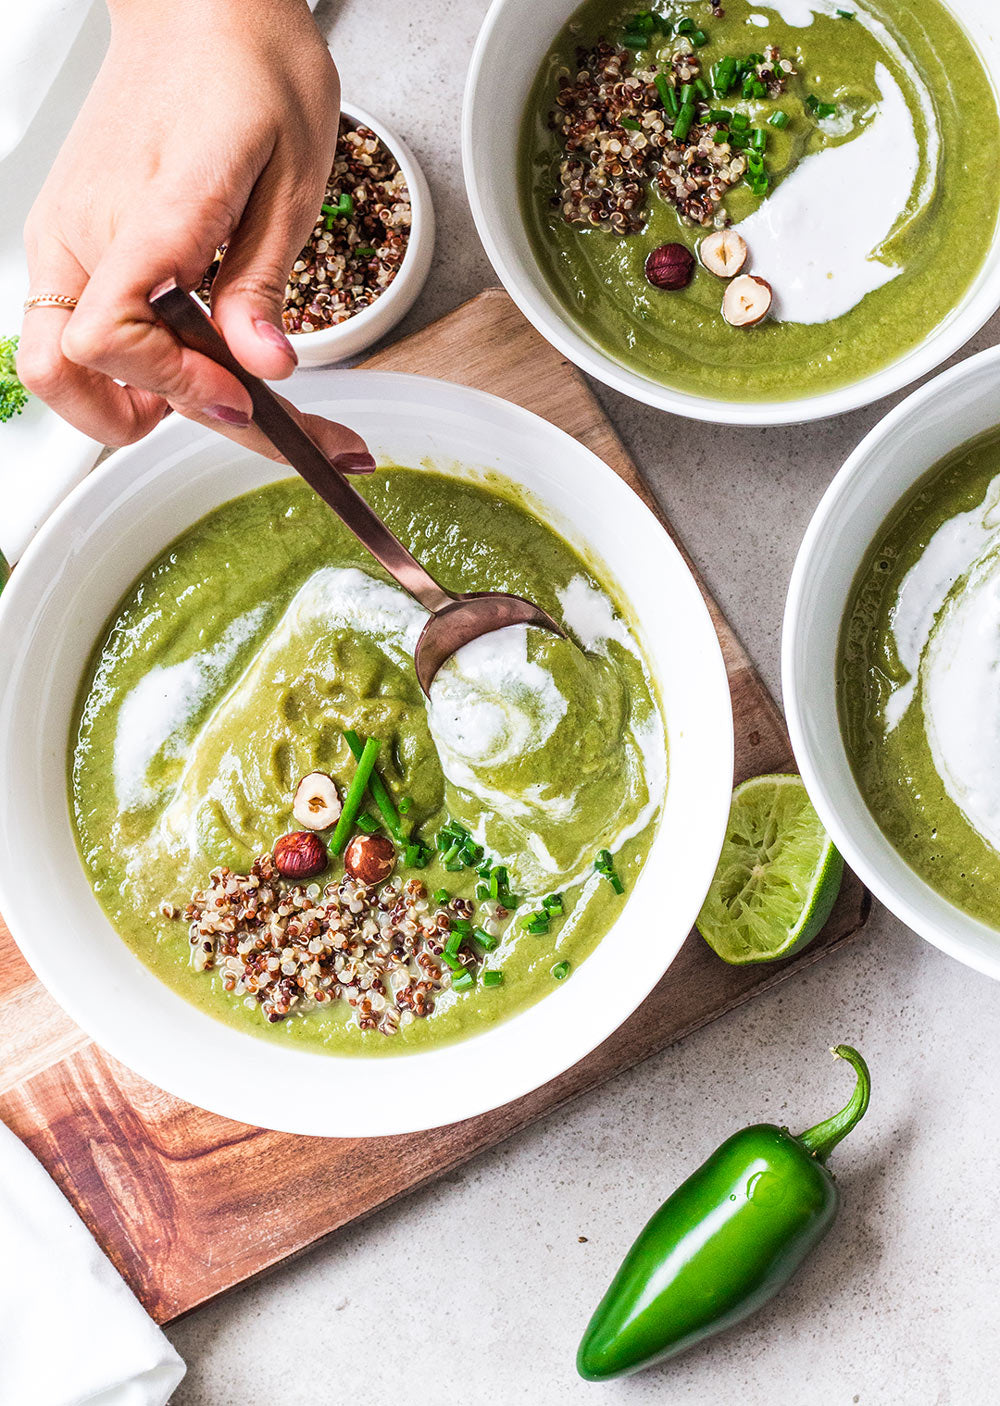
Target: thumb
point(249, 289)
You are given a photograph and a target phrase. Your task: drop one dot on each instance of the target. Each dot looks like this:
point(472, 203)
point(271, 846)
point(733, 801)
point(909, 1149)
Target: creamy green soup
point(234, 666)
point(918, 697)
point(869, 208)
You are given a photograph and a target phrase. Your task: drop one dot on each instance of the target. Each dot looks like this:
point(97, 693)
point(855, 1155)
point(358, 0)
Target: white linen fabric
point(72, 1333)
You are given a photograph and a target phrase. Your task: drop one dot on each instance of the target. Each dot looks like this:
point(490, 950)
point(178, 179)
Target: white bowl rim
point(948, 337)
point(815, 778)
point(203, 1087)
point(412, 271)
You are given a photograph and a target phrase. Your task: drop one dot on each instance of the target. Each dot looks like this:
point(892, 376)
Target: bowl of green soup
point(196, 854)
point(891, 654)
point(743, 213)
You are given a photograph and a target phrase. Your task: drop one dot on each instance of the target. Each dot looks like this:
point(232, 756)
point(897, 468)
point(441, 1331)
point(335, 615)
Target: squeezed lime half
point(778, 875)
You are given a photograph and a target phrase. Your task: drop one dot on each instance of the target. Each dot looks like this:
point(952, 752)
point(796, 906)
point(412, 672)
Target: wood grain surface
point(169, 1190)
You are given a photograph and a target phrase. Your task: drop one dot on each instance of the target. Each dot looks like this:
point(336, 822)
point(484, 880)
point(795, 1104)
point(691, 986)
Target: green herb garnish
point(630, 124)
point(605, 864)
point(355, 794)
point(379, 790)
point(13, 396)
point(560, 971)
point(779, 119)
point(492, 978)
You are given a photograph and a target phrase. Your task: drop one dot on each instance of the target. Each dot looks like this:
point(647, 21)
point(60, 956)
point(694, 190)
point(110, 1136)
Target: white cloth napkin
point(72, 1333)
point(50, 52)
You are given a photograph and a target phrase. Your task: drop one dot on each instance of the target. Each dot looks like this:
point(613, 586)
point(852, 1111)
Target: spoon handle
point(189, 322)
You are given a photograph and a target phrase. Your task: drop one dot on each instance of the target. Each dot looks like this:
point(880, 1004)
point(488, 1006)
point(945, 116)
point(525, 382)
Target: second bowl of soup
point(750, 213)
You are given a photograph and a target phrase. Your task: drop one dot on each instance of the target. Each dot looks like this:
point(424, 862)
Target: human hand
point(210, 122)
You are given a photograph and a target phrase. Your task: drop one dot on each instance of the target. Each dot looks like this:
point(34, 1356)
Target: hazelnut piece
point(670, 266)
point(746, 301)
point(723, 252)
point(370, 858)
point(299, 855)
point(317, 803)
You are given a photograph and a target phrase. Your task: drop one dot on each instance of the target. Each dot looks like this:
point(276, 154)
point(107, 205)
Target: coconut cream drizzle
point(946, 631)
point(817, 239)
point(490, 704)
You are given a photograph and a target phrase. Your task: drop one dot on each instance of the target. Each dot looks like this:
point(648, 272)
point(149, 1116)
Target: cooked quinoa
point(616, 138)
point(349, 259)
point(285, 947)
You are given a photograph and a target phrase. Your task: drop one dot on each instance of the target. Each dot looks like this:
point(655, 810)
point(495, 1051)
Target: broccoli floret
point(13, 396)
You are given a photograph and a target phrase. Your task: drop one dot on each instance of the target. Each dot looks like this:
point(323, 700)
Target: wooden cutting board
point(170, 1190)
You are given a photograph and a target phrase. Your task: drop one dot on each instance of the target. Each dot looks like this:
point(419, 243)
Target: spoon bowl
point(463, 620)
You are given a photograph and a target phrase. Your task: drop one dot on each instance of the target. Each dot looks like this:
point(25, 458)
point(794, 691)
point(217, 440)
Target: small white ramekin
point(928, 425)
point(514, 39)
point(365, 328)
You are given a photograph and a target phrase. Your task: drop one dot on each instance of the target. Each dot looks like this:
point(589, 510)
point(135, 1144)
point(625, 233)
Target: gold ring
point(50, 300)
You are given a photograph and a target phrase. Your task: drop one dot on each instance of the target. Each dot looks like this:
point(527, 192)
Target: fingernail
point(228, 415)
point(271, 334)
point(353, 462)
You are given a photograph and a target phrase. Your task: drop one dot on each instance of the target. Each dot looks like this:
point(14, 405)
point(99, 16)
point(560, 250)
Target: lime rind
point(778, 876)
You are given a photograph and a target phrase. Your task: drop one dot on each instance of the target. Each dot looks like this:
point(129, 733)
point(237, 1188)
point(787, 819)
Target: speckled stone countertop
point(474, 1292)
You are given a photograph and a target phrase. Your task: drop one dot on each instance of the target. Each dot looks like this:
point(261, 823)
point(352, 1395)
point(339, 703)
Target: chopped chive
point(698, 38)
point(364, 251)
point(452, 866)
point(635, 41)
point(485, 870)
point(405, 804)
point(463, 982)
point(485, 939)
point(779, 119)
point(355, 794)
point(462, 925)
point(417, 856)
point(687, 94)
point(450, 960)
point(451, 854)
point(683, 124)
point(440, 895)
point(685, 25)
point(502, 879)
point(553, 903)
point(719, 137)
point(379, 790)
point(454, 942)
point(560, 971)
point(667, 95)
point(724, 75)
point(492, 978)
point(630, 124)
point(826, 110)
point(367, 823)
point(482, 892)
point(740, 122)
point(719, 114)
point(845, 14)
point(702, 89)
point(494, 886)
point(758, 138)
point(328, 209)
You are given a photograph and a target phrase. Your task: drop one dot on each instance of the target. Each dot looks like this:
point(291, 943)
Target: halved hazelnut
point(723, 252)
point(746, 301)
point(317, 802)
point(370, 858)
point(299, 855)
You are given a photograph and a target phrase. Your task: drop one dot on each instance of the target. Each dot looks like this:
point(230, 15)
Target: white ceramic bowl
point(515, 37)
point(932, 422)
point(365, 328)
point(53, 611)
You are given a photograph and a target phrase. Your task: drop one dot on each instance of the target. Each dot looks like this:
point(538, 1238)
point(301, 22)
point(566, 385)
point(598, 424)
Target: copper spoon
point(454, 619)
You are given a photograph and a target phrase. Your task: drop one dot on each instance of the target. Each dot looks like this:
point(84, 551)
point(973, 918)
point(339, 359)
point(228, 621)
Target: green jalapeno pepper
point(727, 1240)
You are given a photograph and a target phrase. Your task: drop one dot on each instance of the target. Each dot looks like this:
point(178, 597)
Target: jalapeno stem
point(823, 1138)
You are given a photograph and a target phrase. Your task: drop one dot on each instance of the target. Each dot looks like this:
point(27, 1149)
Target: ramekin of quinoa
point(369, 252)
